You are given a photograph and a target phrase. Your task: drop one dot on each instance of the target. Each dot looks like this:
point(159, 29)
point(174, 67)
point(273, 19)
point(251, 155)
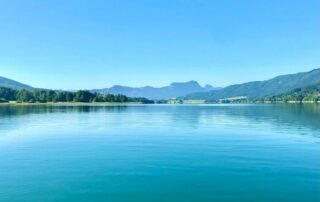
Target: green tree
point(25, 96)
point(7, 94)
point(83, 96)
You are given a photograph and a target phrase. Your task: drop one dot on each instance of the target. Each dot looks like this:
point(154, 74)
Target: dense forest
point(44, 96)
point(305, 94)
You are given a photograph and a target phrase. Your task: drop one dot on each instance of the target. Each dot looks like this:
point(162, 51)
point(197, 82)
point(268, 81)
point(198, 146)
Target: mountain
point(174, 90)
point(210, 88)
point(258, 89)
point(8, 83)
point(308, 93)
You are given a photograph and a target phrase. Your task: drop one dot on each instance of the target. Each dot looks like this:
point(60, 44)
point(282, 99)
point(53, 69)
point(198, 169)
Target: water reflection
point(39, 109)
point(184, 152)
point(176, 116)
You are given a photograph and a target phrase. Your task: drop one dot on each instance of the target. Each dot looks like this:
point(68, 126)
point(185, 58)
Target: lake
point(124, 153)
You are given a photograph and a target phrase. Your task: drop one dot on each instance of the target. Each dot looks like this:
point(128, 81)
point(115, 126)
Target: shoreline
point(67, 103)
point(140, 103)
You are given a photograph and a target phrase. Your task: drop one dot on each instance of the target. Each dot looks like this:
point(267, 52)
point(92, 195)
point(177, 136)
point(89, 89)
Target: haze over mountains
point(193, 91)
point(174, 90)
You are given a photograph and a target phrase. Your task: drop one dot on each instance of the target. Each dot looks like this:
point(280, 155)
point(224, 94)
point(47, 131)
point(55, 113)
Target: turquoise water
point(160, 153)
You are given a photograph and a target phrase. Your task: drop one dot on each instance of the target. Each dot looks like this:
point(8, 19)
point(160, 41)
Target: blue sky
point(91, 44)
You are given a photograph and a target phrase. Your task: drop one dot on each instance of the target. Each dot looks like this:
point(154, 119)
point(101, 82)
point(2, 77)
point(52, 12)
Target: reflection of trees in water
point(41, 109)
point(304, 115)
point(301, 115)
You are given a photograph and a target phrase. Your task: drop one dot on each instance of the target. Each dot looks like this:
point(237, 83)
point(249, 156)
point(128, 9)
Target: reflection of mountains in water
point(282, 115)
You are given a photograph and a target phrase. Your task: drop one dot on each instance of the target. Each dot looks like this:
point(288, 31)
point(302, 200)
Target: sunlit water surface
point(141, 153)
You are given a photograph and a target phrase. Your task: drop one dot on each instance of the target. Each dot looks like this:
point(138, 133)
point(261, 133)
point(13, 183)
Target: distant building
point(174, 101)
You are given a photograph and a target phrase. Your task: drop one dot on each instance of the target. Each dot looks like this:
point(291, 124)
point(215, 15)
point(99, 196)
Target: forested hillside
point(260, 89)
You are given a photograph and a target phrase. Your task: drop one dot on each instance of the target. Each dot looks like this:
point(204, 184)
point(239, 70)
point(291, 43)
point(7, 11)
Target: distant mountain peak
point(210, 87)
point(174, 90)
point(186, 84)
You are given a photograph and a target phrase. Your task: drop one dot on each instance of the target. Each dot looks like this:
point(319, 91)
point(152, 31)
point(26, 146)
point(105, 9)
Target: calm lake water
point(139, 153)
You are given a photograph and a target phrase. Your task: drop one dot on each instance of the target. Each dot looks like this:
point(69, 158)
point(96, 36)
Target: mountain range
point(174, 90)
point(191, 90)
point(259, 89)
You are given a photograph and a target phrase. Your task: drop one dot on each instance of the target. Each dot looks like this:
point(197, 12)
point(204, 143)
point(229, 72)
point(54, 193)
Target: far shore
point(138, 103)
point(64, 103)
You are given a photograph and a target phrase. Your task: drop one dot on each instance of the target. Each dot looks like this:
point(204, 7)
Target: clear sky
point(93, 44)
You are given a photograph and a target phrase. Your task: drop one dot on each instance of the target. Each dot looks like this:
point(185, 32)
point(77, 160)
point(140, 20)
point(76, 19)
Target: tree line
point(44, 96)
point(305, 94)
